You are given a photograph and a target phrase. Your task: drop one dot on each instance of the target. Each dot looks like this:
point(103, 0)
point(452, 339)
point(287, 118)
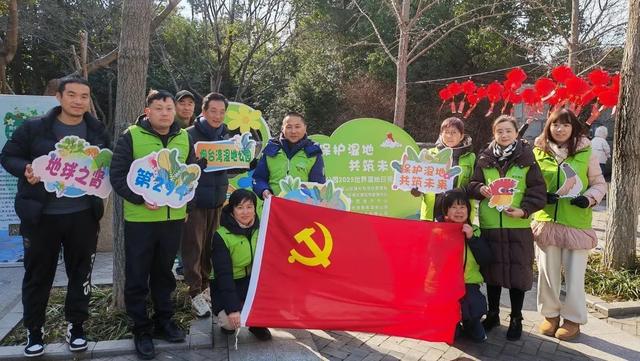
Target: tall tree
point(133, 60)
point(9, 46)
point(244, 36)
point(416, 33)
point(584, 32)
point(624, 194)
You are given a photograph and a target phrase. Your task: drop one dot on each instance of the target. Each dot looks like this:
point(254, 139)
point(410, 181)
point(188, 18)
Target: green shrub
point(104, 322)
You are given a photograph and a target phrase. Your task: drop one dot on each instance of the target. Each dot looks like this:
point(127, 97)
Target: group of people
point(500, 251)
point(218, 241)
point(203, 229)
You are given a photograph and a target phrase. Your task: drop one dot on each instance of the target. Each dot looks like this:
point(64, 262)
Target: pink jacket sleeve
point(597, 185)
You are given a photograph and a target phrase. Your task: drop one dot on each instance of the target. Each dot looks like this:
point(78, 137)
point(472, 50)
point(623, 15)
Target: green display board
point(358, 157)
point(14, 111)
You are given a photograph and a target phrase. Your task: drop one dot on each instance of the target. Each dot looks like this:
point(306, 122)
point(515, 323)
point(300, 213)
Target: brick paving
point(601, 339)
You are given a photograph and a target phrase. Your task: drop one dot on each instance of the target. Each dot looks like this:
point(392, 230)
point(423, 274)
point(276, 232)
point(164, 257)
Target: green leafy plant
point(612, 285)
point(104, 322)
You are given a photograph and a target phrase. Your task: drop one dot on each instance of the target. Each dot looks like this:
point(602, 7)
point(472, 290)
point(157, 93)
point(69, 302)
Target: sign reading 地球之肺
point(75, 168)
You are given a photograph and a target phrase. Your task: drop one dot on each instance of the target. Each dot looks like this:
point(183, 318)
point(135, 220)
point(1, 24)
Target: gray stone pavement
point(601, 339)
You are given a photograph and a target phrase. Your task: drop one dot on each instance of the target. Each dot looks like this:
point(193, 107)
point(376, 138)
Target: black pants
point(78, 234)
point(516, 297)
point(150, 250)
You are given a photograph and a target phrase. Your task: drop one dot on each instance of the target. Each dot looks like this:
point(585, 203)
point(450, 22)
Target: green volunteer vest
point(280, 166)
point(472, 273)
point(241, 250)
point(467, 161)
point(490, 217)
point(144, 143)
point(563, 211)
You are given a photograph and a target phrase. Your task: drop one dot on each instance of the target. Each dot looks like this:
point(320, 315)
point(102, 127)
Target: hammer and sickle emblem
point(320, 256)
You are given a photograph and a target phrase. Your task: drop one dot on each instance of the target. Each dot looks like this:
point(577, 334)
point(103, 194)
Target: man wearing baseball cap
point(185, 106)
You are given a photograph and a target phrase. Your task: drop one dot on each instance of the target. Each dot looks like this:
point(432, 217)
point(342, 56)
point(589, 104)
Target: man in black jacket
point(48, 222)
point(204, 218)
point(151, 232)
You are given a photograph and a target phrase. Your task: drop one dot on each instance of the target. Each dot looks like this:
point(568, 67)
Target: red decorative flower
point(599, 77)
point(544, 87)
point(530, 97)
point(562, 73)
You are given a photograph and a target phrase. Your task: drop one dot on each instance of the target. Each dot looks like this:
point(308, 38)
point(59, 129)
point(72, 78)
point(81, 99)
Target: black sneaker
point(169, 331)
point(261, 333)
point(144, 346)
point(35, 344)
point(492, 320)
point(75, 337)
point(515, 329)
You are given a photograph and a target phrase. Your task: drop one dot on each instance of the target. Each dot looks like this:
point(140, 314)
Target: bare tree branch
point(414, 53)
point(444, 35)
point(375, 29)
point(112, 56)
point(597, 63)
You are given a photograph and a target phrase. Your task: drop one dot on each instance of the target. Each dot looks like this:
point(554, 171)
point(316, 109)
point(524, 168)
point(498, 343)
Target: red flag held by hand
point(322, 268)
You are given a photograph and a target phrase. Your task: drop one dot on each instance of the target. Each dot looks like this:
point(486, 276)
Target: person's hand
point(581, 201)
point(202, 162)
point(485, 191)
point(467, 230)
point(552, 198)
point(529, 120)
point(234, 319)
point(28, 173)
point(266, 194)
point(151, 207)
point(514, 212)
point(415, 192)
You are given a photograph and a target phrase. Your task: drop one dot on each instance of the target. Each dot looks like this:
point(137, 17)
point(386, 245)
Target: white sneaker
point(75, 338)
point(35, 343)
point(200, 306)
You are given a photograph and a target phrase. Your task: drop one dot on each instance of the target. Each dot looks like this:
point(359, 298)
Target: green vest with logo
point(563, 211)
point(144, 143)
point(491, 217)
point(241, 250)
point(466, 162)
point(472, 273)
point(280, 166)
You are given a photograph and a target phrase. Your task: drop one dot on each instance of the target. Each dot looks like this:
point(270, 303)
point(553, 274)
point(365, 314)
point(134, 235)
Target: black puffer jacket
point(31, 140)
point(512, 248)
point(228, 294)
point(212, 186)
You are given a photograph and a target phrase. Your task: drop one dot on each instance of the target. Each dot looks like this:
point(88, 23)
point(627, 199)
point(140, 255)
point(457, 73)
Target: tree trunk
point(133, 60)
point(572, 47)
point(624, 194)
point(9, 46)
point(401, 66)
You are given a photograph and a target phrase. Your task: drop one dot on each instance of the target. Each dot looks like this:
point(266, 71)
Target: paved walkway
point(601, 339)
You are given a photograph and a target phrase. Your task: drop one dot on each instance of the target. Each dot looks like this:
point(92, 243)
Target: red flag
point(321, 268)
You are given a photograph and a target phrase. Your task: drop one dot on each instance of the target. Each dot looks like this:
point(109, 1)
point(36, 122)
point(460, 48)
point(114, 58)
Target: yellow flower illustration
point(244, 118)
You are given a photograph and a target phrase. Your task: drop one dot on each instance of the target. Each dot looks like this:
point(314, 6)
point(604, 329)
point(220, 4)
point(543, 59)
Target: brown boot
point(568, 331)
point(549, 326)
